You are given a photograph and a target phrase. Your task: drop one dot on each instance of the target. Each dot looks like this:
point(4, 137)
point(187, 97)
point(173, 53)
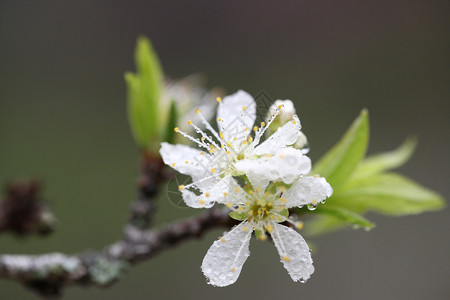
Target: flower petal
point(224, 260)
point(186, 160)
point(287, 166)
point(284, 136)
point(235, 116)
point(307, 190)
point(294, 252)
point(217, 192)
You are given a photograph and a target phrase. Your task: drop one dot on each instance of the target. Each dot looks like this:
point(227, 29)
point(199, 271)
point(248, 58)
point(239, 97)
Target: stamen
point(208, 126)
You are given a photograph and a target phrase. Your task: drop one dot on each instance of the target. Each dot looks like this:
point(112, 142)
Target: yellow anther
point(173, 164)
point(281, 156)
point(236, 189)
point(189, 122)
point(175, 129)
point(293, 122)
point(314, 202)
point(223, 240)
point(228, 152)
point(202, 153)
point(283, 200)
point(197, 111)
point(281, 207)
point(268, 155)
point(283, 189)
point(267, 195)
point(228, 144)
point(263, 124)
point(250, 213)
point(246, 203)
point(299, 225)
point(202, 139)
point(219, 119)
point(258, 189)
point(278, 218)
point(213, 170)
point(225, 194)
point(186, 162)
point(219, 99)
point(269, 205)
point(181, 187)
point(241, 208)
point(245, 228)
point(260, 211)
point(250, 192)
point(206, 194)
point(250, 139)
point(244, 142)
point(269, 228)
point(246, 129)
point(202, 202)
point(229, 204)
point(280, 106)
point(263, 237)
point(286, 258)
point(316, 175)
point(255, 129)
point(233, 269)
point(244, 107)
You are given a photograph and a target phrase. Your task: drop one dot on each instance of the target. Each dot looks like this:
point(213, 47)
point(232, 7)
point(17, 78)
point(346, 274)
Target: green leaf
point(322, 224)
point(240, 216)
point(386, 161)
point(144, 91)
point(338, 164)
point(345, 215)
point(387, 193)
point(172, 123)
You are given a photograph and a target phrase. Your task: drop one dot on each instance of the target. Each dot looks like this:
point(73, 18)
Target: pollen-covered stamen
point(201, 143)
point(195, 184)
point(260, 131)
point(203, 134)
point(207, 124)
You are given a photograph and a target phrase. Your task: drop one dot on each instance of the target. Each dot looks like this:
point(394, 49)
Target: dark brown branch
point(49, 273)
point(23, 211)
point(151, 175)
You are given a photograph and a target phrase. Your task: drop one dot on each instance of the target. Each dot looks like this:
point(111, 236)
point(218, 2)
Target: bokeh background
point(63, 119)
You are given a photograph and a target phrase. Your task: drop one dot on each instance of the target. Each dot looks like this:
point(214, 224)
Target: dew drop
point(312, 207)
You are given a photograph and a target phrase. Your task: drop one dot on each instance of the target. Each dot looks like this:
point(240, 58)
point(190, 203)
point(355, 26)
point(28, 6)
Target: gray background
point(63, 119)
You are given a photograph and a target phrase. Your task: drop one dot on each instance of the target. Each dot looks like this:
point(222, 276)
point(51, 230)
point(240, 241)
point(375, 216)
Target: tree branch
point(23, 212)
point(49, 273)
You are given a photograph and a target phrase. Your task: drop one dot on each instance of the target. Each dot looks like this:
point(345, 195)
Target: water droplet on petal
point(312, 206)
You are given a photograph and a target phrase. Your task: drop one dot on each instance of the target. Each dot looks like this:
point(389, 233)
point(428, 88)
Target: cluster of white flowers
point(275, 175)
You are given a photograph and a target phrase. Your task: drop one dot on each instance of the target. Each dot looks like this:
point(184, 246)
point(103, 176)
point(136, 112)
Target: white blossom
point(261, 210)
point(235, 151)
point(189, 94)
point(285, 116)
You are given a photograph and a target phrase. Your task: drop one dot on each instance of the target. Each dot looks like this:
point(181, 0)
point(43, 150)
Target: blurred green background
point(63, 119)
